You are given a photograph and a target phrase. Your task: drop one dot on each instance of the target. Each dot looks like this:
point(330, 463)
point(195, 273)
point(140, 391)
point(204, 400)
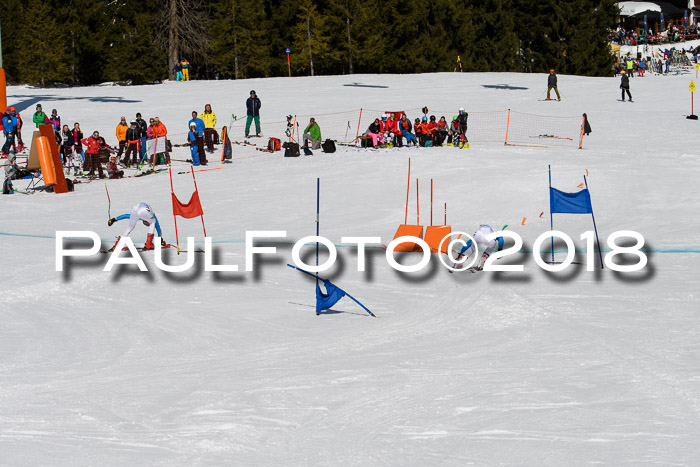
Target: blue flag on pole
point(324, 301)
point(570, 203)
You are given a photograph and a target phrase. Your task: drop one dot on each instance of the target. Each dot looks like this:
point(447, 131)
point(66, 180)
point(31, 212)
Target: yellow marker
point(691, 86)
point(697, 66)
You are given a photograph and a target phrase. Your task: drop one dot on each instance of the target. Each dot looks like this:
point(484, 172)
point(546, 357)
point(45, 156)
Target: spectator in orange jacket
point(121, 136)
point(159, 131)
point(426, 136)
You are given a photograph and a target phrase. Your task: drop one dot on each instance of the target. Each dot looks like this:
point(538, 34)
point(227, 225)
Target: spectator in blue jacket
point(199, 133)
point(253, 111)
point(8, 128)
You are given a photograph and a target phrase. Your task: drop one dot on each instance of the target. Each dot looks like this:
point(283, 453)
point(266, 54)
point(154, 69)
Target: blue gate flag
point(324, 301)
point(570, 203)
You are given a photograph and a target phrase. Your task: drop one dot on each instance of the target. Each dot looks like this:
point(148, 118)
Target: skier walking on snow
point(625, 86)
point(144, 213)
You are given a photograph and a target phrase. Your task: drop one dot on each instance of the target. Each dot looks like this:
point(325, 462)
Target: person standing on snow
point(120, 132)
point(8, 129)
point(480, 239)
point(132, 141)
point(552, 84)
point(185, 69)
point(55, 120)
point(92, 156)
point(192, 141)
point(459, 129)
point(144, 213)
point(199, 124)
point(253, 105)
point(39, 117)
point(143, 135)
point(625, 86)
point(211, 137)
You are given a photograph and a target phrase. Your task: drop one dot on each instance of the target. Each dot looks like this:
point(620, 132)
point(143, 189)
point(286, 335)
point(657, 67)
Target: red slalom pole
point(172, 193)
point(431, 202)
point(445, 213)
point(408, 187)
point(289, 66)
point(195, 189)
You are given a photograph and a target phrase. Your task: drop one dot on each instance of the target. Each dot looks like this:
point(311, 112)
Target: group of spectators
point(88, 155)
point(672, 33)
point(393, 128)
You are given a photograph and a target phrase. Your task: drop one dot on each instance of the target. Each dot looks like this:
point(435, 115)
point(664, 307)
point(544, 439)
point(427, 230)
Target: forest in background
point(84, 42)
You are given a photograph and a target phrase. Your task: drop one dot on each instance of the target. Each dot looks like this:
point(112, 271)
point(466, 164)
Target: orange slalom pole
point(583, 125)
point(507, 127)
point(357, 134)
point(408, 187)
point(3, 88)
point(195, 189)
point(172, 193)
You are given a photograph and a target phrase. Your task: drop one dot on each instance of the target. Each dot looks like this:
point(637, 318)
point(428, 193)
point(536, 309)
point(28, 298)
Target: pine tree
point(240, 48)
point(41, 60)
point(131, 55)
point(311, 38)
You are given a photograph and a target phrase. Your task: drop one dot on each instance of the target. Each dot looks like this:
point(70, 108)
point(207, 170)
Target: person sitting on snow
point(144, 213)
point(487, 245)
point(375, 132)
point(440, 132)
point(113, 170)
point(405, 129)
point(312, 134)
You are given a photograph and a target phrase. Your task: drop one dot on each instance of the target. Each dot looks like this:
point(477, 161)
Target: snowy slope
point(130, 368)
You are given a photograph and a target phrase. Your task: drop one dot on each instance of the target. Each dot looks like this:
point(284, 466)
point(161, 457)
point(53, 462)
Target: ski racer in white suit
point(144, 213)
point(487, 245)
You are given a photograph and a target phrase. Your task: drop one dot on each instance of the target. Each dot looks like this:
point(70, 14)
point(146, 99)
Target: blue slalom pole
point(600, 255)
point(318, 210)
point(551, 216)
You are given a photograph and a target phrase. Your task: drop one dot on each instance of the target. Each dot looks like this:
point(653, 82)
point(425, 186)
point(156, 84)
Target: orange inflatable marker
point(46, 160)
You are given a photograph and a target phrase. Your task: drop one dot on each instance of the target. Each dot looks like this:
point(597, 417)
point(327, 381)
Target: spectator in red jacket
point(92, 156)
point(441, 133)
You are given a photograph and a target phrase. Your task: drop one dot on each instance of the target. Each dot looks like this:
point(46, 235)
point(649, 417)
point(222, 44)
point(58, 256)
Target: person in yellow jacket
point(211, 137)
point(630, 67)
point(185, 69)
point(121, 136)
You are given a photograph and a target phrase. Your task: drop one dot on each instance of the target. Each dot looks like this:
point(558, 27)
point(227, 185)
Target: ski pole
point(109, 204)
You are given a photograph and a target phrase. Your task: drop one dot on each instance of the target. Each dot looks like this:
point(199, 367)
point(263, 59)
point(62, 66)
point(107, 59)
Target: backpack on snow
point(328, 146)
point(291, 149)
point(274, 144)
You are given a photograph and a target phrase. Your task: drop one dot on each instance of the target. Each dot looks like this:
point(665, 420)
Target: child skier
point(144, 213)
point(194, 147)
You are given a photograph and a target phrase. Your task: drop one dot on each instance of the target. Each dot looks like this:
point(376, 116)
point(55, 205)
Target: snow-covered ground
point(131, 368)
